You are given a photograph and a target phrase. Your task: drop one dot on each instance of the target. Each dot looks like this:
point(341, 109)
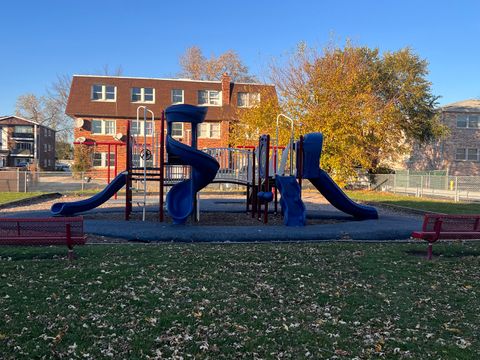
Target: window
point(464, 154)
point(106, 127)
point(209, 130)
point(245, 99)
point(23, 129)
point(144, 95)
point(209, 97)
point(177, 129)
point(109, 127)
point(136, 127)
point(139, 162)
point(177, 96)
point(45, 147)
point(467, 121)
point(104, 93)
point(100, 159)
point(24, 146)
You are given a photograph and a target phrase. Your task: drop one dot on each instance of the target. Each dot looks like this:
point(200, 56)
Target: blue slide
point(204, 169)
point(312, 148)
point(71, 208)
point(180, 198)
point(293, 208)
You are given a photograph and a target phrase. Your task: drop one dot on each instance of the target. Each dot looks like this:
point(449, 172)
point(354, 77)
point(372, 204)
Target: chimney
point(226, 79)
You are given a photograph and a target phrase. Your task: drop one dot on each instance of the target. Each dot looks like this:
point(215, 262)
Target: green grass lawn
point(6, 197)
point(241, 301)
point(432, 205)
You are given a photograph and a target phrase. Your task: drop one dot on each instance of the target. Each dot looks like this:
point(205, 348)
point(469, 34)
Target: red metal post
point(115, 165)
point(267, 184)
point(68, 235)
point(300, 163)
point(254, 190)
point(162, 166)
point(108, 164)
point(128, 165)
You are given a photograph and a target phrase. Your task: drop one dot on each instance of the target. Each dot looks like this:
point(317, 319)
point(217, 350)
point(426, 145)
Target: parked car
point(62, 167)
point(23, 164)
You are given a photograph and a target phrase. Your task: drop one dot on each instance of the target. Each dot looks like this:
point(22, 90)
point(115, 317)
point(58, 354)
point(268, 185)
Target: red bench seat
point(440, 226)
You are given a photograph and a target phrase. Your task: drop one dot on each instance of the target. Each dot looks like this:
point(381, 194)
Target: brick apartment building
point(459, 152)
point(103, 105)
point(25, 142)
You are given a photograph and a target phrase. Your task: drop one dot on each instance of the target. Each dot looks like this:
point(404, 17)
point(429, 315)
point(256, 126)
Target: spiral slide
point(74, 207)
point(181, 196)
point(324, 183)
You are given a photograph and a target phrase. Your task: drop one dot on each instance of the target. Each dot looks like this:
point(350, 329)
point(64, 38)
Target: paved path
point(389, 226)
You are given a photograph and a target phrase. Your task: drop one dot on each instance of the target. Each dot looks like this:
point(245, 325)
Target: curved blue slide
point(332, 192)
point(181, 196)
point(72, 208)
point(292, 205)
point(312, 149)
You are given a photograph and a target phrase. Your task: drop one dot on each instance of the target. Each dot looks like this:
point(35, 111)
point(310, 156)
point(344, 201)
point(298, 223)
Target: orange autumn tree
point(369, 107)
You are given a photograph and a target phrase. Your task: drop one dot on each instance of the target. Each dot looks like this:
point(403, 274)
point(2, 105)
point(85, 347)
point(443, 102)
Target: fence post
point(83, 180)
point(457, 196)
point(421, 185)
point(394, 182)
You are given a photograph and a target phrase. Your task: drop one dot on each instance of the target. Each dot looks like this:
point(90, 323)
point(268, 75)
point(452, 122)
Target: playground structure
point(187, 170)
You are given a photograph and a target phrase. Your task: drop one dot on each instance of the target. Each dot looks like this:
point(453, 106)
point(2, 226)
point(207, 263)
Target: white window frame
point(209, 101)
point(104, 93)
point(142, 95)
point(140, 162)
point(141, 128)
point(103, 127)
point(466, 156)
point(467, 119)
point(183, 96)
point(103, 159)
point(183, 130)
point(249, 101)
point(209, 126)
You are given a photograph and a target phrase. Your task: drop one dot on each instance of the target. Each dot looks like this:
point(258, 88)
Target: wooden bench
point(437, 226)
point(43, 231)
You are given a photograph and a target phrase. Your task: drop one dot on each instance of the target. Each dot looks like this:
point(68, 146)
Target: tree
point(49, 109)
point(370, 107)
point(196, 66)
point(82, 160)
point(63, 150)
point(257, 120)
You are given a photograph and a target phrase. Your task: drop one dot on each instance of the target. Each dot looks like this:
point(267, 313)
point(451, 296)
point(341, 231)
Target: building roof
point(471, 105)
point(166, 79)
point(27, 120)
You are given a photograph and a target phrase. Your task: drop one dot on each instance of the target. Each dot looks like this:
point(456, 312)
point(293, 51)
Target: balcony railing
point(19, 135)
point(22, 152)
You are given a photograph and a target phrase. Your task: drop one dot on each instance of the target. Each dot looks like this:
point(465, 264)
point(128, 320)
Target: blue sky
point(42, 39)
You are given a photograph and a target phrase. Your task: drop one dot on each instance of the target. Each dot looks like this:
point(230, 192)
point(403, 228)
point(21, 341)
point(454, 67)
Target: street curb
point(31, 200)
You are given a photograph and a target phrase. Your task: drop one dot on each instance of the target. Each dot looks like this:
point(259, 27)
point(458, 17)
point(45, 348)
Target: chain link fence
point(456, 188)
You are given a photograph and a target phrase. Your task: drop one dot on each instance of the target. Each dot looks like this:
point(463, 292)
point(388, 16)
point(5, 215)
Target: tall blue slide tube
point(74, 207)
point(180, 198)
point(312, 149)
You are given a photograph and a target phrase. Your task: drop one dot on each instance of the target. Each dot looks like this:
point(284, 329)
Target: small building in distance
point(24, 142)
point(102, 106)
point(459, 152)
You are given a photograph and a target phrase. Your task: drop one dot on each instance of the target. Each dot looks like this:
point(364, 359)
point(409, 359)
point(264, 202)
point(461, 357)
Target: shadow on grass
point(34, 253)
point(451, 253)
